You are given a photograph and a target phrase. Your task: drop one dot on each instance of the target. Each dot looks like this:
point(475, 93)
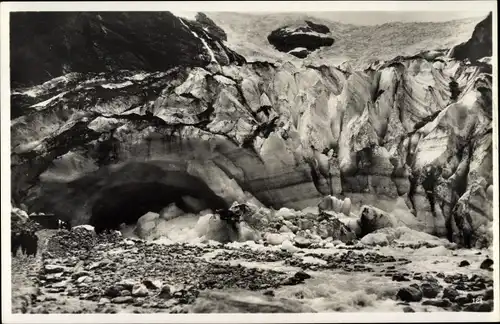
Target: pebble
point(408, 309)
point(122, 300)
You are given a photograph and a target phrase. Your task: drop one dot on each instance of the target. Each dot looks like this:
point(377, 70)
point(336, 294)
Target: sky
point(376, 18)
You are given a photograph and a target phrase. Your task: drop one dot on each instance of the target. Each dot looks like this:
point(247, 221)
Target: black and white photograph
point(224, 158)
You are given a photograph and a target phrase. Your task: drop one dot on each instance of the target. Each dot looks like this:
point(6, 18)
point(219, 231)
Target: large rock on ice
point(309, 36)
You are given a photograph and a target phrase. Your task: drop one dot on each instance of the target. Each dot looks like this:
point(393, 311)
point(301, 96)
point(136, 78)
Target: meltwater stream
point(354, 286)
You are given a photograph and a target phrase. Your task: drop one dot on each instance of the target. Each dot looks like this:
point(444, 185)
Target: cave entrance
point(126, 203)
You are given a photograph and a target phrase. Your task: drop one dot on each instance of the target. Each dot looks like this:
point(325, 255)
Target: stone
point(410, 294)
point(308, 36)
point(462, 300)
point(400, 277)
point(275, 239)
point(408, 309)
point(488, 294)
point(165, 292)
point(305, 224)
point(487, 264)
point(151, 284)
point(112, 292)
point(430, 289)
point(289, 247)
point(53, 268)
point(285, 229)
point(126, 283)
point(122, 300)
point(139, 290)
point(301, 242)
point(464, 263)
point(103, 301)
point(450, 293)
point(286, 213)
point(443, 303)
point(479, 307)
point(125, 292)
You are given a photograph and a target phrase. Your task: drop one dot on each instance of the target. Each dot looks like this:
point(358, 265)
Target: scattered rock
point(408, 309)
point(430, 289)
point(487, 264)
point(288, 246)
point(269, 293)
point(462, 300)
point(139, 290)
point(125, 293)
point(301, 242)
point(479, 307)
point(152, 285)
point(122, 300)
point(464, 263)
point(112, 292)
point(443, 303)
point(410, 294)
point(165, 292)
point(488, 294)
point(400, 277)
point(53, 268)
point(450, 293)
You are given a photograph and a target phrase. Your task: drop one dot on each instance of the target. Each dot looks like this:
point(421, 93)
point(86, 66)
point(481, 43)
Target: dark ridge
point(479, 45)
point(44, 45)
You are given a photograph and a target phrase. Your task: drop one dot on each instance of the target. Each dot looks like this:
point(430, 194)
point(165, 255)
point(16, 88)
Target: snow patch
point(117, 85)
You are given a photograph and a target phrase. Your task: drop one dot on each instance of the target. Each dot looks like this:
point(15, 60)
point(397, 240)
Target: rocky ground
point(79, 272)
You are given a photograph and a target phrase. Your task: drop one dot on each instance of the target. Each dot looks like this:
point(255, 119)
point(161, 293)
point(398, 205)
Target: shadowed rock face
point(311, 37)
point(48, 44)
point(479, 45)
point(394, 130)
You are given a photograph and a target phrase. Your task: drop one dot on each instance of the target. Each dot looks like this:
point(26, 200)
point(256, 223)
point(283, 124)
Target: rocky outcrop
point(109, 41)
point(300, 40)
point(479, 45)
point(210, 26)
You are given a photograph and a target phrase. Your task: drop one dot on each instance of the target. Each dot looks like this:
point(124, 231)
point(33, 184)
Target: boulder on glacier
point(310, 36)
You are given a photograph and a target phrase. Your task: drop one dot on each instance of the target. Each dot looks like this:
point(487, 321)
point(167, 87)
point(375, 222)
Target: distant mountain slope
point(247, 35)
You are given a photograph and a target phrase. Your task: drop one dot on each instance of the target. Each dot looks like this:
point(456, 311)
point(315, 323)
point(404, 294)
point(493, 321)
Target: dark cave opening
point(126, 203)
